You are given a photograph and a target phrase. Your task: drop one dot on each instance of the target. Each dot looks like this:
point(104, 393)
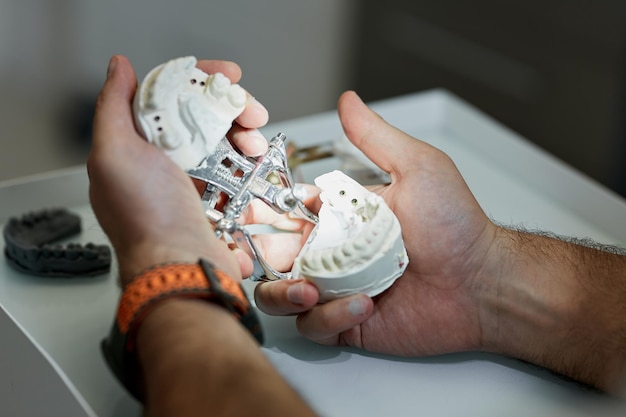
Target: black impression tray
point(30, 248)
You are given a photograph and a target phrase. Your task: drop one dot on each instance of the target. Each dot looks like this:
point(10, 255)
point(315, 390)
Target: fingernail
point(259, 142)
point(252, 101)
point(357, 306)
point(111, 67)
point(258, 110)
point(256, 134)
point(295, 293)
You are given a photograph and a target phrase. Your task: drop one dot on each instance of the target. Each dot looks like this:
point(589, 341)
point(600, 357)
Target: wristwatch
point(200, 280)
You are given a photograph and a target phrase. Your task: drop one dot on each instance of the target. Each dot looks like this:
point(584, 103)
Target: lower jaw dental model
point(356, 245)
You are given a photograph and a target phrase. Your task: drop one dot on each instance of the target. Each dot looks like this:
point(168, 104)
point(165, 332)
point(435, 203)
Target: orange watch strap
point(200, 280)
point(170, 279)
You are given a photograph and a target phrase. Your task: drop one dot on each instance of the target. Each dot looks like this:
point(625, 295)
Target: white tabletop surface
point(50, 363)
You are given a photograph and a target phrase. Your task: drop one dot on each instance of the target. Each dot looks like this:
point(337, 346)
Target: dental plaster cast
point(357, 245)
point(185, 111)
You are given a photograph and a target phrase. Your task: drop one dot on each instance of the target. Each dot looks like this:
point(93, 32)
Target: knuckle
point(270, 298)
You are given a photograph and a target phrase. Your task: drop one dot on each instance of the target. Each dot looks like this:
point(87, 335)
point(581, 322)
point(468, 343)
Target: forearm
point(560, 305)
point(197, 360)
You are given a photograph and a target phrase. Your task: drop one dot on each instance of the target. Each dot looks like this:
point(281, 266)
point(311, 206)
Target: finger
point(115, 138)
point(281, 298)
point(279, 249)
point(249, 141)
point(336, 322)
point(382, 143)
point(255, 114)
point(113, 112)
point(259, 212)
point(228, 68)
point(245, 263)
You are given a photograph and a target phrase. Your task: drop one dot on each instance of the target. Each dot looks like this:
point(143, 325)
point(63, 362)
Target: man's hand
point(192, 353)
point(470, 285)
point(146, 204)
point(431, 308)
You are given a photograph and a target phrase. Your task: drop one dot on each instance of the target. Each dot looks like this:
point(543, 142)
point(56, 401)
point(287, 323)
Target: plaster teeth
point(218, 85)
point(339, 257)
point(347, 250)
point(169, 141)
point(185, 111)
point(362, 249)
point(354, 250)
point(237, 96)
point(359, 245)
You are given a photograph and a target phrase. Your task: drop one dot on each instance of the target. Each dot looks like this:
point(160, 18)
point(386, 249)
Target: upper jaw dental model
point(356, 245)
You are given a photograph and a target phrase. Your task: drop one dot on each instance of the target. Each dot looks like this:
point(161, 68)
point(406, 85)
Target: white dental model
point(185, 111)
point(357, 245)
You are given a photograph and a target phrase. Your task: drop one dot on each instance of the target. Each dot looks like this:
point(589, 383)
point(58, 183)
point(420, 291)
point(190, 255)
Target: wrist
point(133, 263)
point(198, 359)
point(545, 304)
point(527, 302)
point(185, 347)
point(135, 260)
point(199, 280)
point(199, 325)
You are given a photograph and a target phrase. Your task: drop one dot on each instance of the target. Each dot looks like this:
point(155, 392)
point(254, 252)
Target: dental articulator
point(356, 245)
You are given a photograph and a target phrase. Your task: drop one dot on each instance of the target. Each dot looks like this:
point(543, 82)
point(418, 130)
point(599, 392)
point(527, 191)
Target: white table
point(50, 329)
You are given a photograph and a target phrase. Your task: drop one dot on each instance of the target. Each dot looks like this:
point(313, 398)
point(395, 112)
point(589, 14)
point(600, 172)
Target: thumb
point(114, 105)
point(382, 143)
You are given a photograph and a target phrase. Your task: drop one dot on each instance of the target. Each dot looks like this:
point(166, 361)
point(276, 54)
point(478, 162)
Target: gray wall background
point(54, 54)
point(553, 70)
